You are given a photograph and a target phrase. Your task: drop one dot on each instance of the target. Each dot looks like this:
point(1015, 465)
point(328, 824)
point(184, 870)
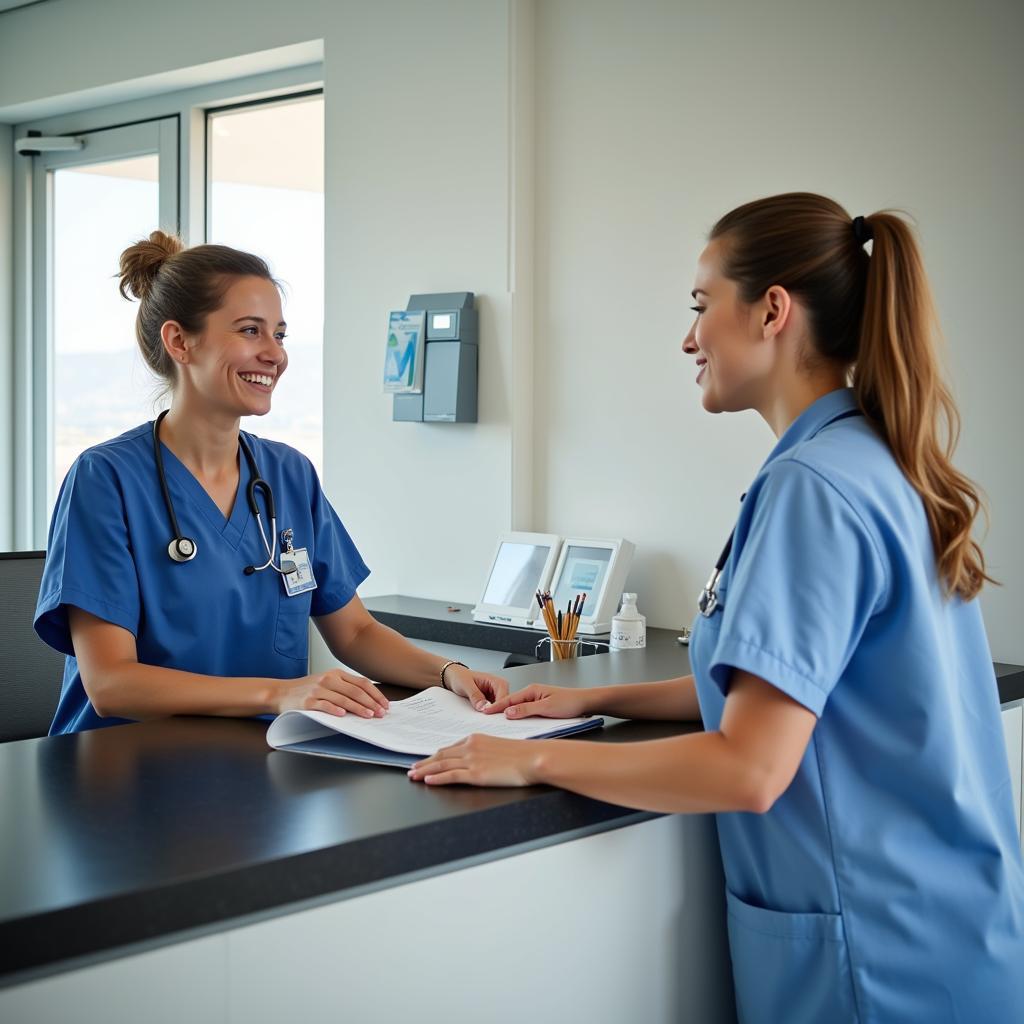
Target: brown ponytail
point(899, 386)
point(873, 314)
point(179, 284)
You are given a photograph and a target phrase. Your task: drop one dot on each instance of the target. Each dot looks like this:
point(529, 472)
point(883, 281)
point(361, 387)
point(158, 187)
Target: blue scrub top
point(107, 554)
point(886, 883)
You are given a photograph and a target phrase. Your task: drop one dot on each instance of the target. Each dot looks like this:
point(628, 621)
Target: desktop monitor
point(597, 568)
point(521, 566)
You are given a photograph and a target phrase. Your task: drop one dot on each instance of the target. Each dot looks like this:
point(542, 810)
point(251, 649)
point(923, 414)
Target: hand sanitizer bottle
point(629, 627)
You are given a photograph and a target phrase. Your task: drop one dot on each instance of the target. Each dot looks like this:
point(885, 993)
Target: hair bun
point(141, 262)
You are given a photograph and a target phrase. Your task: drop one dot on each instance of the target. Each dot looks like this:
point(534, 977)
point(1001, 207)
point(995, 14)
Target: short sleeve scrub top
point(886, 883)
point(107, 554)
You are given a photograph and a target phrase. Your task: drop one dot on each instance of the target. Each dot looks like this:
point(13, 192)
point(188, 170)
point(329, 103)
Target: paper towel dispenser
point(450, 362)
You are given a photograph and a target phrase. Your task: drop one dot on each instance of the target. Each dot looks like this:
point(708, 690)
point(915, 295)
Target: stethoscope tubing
point(186, 547)
point(708, 600)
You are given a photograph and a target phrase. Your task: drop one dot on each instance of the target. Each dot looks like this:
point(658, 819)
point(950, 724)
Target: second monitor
point(597, 568)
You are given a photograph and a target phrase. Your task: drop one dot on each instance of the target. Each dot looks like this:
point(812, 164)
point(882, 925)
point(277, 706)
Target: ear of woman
point(777, 306)
point(174, 341)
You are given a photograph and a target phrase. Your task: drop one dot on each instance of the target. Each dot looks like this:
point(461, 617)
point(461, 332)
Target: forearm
point(699, 773)
point(382, 654)
point(672, 699)
point(134, 690)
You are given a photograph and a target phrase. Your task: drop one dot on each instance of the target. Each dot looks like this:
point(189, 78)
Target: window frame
point(32, 329)
point(209, 113)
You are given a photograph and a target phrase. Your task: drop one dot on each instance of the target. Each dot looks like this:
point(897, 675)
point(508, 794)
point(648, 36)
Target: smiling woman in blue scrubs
point(175, 604)
point(853, 748)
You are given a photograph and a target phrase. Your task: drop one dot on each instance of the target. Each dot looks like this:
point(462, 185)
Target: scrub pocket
point(789, 967)
point(292, 635)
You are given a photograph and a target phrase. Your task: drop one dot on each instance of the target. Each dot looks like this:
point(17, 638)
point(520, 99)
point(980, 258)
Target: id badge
point(302, 579)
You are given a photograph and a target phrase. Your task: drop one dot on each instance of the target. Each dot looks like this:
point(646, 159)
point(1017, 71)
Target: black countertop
point(138, 834)
point(452, 623)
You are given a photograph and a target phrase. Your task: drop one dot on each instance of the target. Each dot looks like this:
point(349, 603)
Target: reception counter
point(184, 867)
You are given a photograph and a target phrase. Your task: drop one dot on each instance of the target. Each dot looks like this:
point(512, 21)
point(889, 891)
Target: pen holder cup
point(561, 650)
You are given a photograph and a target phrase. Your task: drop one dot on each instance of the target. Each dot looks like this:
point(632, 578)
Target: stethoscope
point(708, 600)
point(183, 549)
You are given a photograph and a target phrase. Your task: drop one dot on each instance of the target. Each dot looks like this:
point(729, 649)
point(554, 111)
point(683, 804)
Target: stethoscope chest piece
point(708, 600)
point(182, 549)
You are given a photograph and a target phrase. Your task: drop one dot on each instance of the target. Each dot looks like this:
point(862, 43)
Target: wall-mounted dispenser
point(450, 362)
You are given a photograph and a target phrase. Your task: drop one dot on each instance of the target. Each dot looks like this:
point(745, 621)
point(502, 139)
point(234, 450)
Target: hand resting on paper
point(481, 689)
point(481, 760)
point(544, 701)
point(336, 692)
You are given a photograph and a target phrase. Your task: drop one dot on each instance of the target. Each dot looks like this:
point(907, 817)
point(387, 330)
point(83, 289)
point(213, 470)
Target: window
point(89, 204)
point(195, 162)
point(100, 382)
point(266, 196)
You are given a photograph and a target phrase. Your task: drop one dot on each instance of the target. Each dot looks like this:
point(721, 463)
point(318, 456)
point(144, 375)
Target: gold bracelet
point(444, 668)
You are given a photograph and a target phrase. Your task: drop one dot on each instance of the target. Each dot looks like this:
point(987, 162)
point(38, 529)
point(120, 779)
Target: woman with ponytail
point(146, 586)
point(853, 749)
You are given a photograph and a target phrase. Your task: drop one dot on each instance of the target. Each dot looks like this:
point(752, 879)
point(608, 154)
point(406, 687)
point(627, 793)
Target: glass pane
point(267, 197)
point(101, 385)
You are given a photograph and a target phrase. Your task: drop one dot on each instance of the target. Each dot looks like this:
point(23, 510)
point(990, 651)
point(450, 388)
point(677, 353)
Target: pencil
point(556, 629)
point(552, 625)
point(543, 607)
point(547, 606)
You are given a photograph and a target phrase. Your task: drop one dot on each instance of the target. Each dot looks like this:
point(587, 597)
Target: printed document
point(413, 728)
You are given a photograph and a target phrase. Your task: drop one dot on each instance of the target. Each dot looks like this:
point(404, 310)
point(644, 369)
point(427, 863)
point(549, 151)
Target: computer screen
point(584, 572)
point(516, 574)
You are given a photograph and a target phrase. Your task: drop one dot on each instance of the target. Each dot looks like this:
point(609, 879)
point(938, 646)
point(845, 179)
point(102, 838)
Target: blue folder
point(348, 749)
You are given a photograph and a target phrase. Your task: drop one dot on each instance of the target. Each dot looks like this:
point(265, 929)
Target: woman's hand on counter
point(336, 692)
point(667, 700)
point(481, 760)
point(481, 689)
point(544, 701)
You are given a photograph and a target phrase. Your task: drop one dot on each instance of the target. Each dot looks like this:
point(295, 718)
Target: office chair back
point(30, 672)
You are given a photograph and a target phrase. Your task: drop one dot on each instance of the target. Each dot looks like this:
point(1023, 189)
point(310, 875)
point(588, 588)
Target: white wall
point(81, 53)
point(654, 118)
point(417, 200)
point(587, 154)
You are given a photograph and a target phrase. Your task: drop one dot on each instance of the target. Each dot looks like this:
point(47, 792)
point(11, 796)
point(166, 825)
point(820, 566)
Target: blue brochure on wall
point(404, 353)
point(412, 729)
